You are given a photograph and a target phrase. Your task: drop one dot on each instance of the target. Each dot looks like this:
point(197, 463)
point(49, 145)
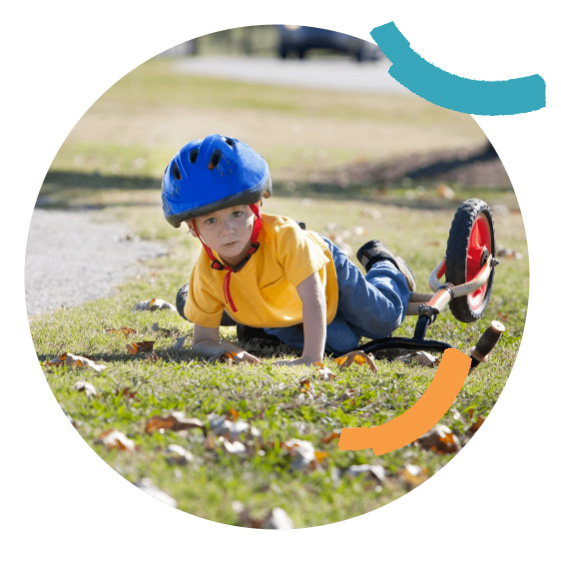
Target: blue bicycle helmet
point(211, 174)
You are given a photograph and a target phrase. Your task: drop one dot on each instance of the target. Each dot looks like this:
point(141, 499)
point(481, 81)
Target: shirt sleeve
point(202, 306)
point(300, 253)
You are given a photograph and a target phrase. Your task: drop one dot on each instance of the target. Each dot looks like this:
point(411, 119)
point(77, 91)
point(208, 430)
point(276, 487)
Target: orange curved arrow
point(420, 417)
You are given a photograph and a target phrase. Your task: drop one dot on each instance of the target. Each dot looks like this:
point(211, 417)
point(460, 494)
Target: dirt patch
point(479, 166)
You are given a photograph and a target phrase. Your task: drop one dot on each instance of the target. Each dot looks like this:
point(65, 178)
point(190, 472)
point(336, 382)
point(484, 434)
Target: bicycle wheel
point(470, 242)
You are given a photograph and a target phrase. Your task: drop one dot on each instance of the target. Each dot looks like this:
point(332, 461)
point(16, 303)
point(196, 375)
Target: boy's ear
point(191, 228)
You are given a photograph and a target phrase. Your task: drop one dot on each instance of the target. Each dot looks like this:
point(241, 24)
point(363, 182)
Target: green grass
point(113, 161)
point(269, 397)
point(140, 122)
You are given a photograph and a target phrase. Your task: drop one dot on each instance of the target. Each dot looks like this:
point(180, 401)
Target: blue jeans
point(371, 305)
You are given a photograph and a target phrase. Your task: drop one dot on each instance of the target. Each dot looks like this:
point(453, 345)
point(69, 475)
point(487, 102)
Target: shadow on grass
point(176, 356)
point(171, 356)
point(385, 184)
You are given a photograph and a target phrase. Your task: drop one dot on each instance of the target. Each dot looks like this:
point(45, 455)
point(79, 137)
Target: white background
point(498, 498)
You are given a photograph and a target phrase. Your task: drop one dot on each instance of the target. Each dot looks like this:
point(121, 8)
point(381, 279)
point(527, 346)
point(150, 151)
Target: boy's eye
point(210, 220)
point(237, 213)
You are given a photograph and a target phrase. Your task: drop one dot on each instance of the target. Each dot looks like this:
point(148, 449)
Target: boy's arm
point(206, 342)
point(314, 315)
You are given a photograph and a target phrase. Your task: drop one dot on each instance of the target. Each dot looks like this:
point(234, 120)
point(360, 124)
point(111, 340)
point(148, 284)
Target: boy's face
point(227, 232)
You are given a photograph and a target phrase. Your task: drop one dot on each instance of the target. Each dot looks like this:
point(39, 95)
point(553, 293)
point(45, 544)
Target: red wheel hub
point(478, 248)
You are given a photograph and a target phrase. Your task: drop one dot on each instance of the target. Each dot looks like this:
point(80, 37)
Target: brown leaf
point(305, 385)
point(376, 472)
point(419, 357)
point(112, 439)
point(324, 373)
point(476, 426)
point(358, 357)
point(440, 439)
point(140, 347)
point(178, 455)
point(320, 456)
point(233, 414)
point(75, 361)
point(277, 520)
point(125, 392)
point(303, 454)
point(175, 421)
point(124, 330)
point(229, 357)
point(334, 435)
point(414, 475)
point(153, 305)
point(86, 387)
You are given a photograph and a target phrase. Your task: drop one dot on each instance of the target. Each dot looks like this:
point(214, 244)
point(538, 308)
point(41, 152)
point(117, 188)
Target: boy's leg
point(370, 306)
point(373, 305)
point(340, 337)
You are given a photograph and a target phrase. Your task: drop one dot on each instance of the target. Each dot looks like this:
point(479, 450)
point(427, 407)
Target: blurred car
point(299, 39)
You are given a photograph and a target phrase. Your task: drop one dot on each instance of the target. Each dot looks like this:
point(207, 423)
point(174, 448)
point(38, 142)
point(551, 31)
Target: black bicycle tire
point(456, 256)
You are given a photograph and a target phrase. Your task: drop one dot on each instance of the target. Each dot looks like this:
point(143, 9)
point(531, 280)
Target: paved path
point(337, 74)
point(72, 257)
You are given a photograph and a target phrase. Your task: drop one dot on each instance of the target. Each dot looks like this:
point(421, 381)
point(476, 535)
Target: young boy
point(265, 271)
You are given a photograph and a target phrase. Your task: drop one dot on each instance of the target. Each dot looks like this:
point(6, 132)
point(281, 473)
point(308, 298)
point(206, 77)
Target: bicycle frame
point(428, 306)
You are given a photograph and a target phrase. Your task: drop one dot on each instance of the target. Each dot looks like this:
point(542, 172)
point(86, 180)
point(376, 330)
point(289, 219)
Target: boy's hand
point(206, 342)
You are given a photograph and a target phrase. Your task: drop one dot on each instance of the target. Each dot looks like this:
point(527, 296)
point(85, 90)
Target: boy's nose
point(228, 225)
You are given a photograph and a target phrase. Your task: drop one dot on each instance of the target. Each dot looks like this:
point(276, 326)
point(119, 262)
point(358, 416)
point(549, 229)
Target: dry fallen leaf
point(372, 472)
point(320, 456)
point(140, 347)
point(305, 385)
point(278, 520)
point(358, 357)
point(115, 439)
point(324, 373)
point(440, 439)
point(220, 425)
point(419, 357)
point(303, 454)
point(124, 330)
point(153, 305)
point(75, 361)
point(86, 387)
point(233, 414)
point(235, 448)
point(414, 475)
point(178, 455)
point(476, 426)
point(442, 190)
point(125, 392)
point(175, 421)
point(334, 435)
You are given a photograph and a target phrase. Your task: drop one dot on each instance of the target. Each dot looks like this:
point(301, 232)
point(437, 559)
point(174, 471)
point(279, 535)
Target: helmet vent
point(229, 141)
point(214, 159)
point(193, 155)
point(175, 171)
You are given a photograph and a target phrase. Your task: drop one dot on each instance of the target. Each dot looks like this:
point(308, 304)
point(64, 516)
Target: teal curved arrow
point(477, 97)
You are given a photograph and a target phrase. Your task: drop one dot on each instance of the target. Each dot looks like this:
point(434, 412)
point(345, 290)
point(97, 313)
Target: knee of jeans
point(392, 319)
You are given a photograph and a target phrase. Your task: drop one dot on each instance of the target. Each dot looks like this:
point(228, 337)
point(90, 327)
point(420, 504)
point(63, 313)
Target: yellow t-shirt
point(264, 290)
